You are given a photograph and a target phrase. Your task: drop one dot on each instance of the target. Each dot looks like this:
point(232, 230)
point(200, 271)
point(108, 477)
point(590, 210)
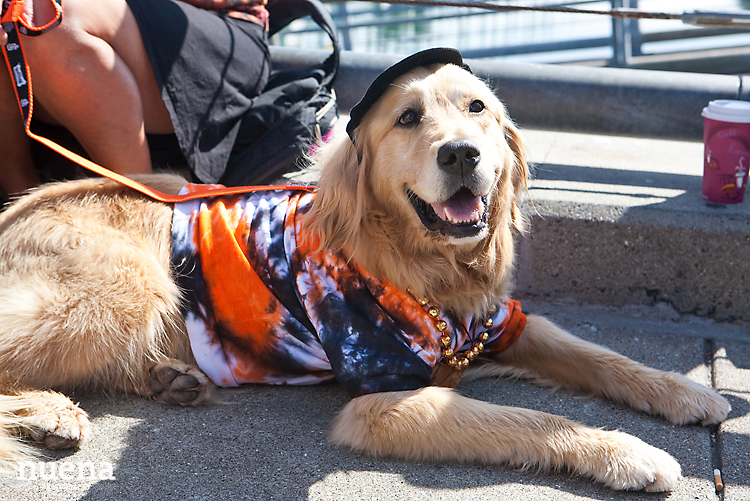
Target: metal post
point(622, 45)
point(341, 18)
point(635, 32)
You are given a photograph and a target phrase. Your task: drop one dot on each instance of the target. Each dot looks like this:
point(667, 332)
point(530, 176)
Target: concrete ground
point(622, 251)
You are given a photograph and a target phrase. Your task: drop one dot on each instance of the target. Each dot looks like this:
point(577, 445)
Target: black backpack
point(296, 108)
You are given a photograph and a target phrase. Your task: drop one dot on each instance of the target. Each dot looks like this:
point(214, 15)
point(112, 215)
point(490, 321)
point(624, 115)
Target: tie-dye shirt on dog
point(264, 305)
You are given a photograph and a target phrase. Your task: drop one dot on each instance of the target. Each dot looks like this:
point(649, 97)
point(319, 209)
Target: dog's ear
point(520, 174)
point(341, 202)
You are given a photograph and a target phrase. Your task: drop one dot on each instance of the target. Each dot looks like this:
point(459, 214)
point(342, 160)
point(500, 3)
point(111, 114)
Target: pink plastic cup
point(726, 158)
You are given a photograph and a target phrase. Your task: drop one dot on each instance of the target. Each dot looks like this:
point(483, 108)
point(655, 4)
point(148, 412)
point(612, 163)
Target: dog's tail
point(12, 450)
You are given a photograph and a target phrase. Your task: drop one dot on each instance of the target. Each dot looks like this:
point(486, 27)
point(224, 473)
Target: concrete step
point(621, 221)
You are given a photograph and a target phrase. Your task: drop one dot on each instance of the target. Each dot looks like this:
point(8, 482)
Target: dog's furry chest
point(264, 305)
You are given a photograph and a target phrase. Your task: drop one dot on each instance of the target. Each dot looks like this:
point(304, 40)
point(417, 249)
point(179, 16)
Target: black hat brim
point(441, 55)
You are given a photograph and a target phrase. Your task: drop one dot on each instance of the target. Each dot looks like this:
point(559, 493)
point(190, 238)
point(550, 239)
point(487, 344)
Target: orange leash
point(13, 24)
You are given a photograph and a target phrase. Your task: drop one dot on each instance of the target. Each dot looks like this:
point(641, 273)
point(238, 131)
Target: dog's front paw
point(628, 463)
point(177, 383)
point(53, 420)
point(683, 401)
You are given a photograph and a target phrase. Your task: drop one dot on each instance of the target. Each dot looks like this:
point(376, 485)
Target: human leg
point(91, 74)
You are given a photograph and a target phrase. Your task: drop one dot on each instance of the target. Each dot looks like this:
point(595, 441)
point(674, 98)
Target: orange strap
point(13, 24)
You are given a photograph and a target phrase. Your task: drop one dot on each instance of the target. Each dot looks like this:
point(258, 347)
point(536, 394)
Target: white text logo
point(84, 470)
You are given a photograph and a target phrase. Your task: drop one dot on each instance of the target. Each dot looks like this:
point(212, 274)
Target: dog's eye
point(476, 106)
point(408, 117)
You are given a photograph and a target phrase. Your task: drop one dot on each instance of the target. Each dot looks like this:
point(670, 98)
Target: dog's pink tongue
point(461, 208)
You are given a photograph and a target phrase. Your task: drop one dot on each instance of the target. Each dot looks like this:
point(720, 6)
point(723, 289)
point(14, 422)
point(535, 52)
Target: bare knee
point(89, 24)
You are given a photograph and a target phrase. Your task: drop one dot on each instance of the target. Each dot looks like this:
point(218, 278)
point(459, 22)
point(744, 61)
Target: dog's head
point(432, 171)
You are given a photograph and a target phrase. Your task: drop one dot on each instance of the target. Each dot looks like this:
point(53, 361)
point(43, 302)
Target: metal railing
point(616, 101)
point(525, 36)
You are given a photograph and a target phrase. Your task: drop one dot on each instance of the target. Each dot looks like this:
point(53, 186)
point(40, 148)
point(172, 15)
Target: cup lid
point(728, 110)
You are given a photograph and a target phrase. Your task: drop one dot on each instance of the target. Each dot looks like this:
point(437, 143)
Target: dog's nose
point(459, 156)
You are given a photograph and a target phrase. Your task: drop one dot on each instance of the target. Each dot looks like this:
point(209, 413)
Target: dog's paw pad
point(57, 423)
point(179, 384)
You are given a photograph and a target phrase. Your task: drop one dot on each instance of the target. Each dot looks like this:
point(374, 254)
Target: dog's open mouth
point(462, 215)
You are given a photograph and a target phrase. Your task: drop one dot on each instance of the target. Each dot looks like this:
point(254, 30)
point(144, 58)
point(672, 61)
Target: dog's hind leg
point(437, 424)
point(87, 297)
point(87, 302)
point(89, 324)
point(547, 352)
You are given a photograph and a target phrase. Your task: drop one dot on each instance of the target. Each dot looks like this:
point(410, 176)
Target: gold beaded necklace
point(456, 361)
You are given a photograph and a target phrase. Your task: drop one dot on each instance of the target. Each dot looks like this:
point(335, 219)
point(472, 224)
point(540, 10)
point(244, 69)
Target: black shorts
point(209, 67)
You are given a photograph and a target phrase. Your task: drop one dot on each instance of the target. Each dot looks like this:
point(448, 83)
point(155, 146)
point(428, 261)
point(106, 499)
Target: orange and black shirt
point(264, 305)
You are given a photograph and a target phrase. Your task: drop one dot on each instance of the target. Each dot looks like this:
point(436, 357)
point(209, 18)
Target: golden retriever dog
point(418, 208)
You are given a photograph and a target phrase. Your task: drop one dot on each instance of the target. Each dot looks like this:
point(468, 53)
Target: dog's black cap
point(384, 80)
